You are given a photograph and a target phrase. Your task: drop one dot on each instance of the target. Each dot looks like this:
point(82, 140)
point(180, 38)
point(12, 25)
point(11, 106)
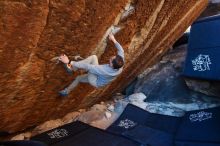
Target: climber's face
point(110, 60)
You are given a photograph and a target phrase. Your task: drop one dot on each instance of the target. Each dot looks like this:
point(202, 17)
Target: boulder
point(22, 136)
point(70, 117)
point(211, 88)
point(34, 32)
point(166, 89)
point(47, 126)
point(137, 97)
point(90, 116)
point(99, 107)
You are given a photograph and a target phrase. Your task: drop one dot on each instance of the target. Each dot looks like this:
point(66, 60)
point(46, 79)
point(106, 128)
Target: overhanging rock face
point(34, 32)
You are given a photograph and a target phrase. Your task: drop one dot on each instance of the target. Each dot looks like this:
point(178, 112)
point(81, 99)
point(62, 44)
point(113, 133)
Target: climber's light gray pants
point(86, 78)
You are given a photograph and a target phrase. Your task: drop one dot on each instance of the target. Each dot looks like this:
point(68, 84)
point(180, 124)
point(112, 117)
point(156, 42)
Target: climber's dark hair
point(118, 62)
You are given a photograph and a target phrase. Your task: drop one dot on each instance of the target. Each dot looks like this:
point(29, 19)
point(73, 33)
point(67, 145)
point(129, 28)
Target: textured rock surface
point(32, 32)
point(211, 9)
point(47, 126)
point(211, 88)
point(166, 90)
point(163, 82)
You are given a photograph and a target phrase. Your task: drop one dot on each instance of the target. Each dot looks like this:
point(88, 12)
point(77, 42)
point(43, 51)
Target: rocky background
point(34, 32)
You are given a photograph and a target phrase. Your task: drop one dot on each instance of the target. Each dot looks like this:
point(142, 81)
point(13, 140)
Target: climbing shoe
point(63, 92)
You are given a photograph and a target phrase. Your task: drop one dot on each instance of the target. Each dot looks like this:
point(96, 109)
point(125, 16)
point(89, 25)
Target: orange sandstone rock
point(32, 32)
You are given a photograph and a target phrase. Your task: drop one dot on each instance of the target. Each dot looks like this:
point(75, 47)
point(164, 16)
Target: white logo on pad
point(58, 133)
point(126, 124)
point(201, 63)
point(200, 116)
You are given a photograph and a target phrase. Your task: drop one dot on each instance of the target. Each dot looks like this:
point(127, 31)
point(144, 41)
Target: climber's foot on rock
point(63, 92)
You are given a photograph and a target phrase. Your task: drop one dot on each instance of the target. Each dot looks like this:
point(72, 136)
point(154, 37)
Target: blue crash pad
point(202, 60)
point(22, 143)
point(144, 127)
point(96, 137)
point(195, 143)
point(149, 136)
point(200, 126)
point(81, 134)
point(133, 115)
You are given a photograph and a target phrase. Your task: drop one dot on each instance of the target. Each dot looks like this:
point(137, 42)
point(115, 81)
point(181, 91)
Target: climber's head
point(116, 62)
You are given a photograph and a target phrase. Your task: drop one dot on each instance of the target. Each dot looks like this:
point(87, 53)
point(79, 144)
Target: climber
point(98, 75)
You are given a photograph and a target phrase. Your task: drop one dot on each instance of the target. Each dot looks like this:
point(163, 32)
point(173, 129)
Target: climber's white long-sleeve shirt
point(105, 73)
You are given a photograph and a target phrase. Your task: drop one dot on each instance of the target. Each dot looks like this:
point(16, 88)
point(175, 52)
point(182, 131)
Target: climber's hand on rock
point(111, 37)
point(63, 58)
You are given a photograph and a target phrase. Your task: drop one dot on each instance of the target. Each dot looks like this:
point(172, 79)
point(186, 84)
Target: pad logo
point(200, 116)
point(201, 63)
point(58, 133)
point(127, 124)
